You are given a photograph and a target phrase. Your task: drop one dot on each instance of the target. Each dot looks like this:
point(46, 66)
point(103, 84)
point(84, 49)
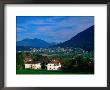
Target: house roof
point(28, 60)
point(56, 62)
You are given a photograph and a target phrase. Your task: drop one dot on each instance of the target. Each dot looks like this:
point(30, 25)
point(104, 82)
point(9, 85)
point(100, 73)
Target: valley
point(75, 55)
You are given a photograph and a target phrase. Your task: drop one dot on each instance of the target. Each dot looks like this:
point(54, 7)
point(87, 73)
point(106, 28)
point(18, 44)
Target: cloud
point(41, 22)
point(19, 29)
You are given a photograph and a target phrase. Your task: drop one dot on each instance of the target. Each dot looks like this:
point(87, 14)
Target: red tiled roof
point(55, 62)
point(28, 60)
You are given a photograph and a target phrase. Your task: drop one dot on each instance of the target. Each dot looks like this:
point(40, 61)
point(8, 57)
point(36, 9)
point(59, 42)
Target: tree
point(19, 60)
point(78, 64)
point(43, 65)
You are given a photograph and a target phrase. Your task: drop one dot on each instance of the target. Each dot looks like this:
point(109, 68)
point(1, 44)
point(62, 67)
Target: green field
point(30, 71)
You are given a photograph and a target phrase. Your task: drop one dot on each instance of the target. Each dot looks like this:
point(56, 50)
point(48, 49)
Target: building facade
point(33, 66)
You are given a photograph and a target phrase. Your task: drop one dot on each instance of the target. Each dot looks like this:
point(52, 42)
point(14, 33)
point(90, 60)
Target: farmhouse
point(54, 65)
point(28, 62)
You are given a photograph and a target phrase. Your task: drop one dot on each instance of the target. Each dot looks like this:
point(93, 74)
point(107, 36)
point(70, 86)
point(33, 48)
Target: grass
point(30, 71)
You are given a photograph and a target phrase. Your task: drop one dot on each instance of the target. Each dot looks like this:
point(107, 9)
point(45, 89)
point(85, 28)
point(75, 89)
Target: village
point(54, 50)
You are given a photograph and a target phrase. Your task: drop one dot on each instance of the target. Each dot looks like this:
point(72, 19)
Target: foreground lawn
point(30, 71)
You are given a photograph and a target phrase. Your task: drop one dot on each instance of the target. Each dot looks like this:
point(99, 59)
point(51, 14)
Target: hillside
point(38, 43)
point(84, 39)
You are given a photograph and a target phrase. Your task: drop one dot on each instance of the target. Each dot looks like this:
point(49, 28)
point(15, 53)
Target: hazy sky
point(51, 28)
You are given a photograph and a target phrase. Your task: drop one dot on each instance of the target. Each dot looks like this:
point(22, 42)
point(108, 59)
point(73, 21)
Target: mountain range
point(38, 43)
point(84, 39)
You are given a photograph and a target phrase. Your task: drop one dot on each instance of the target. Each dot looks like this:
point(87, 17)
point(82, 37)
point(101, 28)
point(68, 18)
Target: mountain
point(84, 39)
point(38, 43)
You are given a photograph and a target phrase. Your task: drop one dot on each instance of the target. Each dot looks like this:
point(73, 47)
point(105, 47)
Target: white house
point(33, 65)
point(28, 62)
point(54, 65)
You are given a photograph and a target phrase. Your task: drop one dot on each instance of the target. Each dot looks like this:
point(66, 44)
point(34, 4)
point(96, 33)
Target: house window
point(31, 66)
point(50, 65)
point(50, 68)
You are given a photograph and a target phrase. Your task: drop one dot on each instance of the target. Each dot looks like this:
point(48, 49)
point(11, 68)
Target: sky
point(51, 28)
